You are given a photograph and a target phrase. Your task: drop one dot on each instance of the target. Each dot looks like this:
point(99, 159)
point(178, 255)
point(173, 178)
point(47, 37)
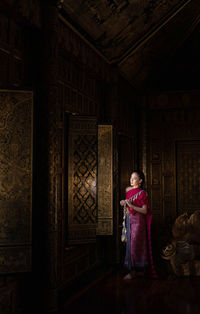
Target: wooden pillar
point(50, 136)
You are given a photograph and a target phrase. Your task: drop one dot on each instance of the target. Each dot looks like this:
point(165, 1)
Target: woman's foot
point(130, 275)
point(127, 277)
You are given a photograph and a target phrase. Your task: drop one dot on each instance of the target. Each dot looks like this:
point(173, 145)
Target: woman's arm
point(142, 210)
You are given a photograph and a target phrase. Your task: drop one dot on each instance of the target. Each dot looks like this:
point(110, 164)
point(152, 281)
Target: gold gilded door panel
point(82, 177)
point(188, 176)
point(105, 180)
point(16, 137)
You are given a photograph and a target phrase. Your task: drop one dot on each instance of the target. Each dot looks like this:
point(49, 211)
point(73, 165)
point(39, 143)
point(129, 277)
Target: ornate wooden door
point(173, 160)
point(82, 177)
point(188, 176)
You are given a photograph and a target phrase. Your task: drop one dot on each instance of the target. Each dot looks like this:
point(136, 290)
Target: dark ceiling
point(182, 69)
point(140, 37)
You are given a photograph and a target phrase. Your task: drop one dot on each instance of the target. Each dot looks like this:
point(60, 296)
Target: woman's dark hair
point(141, 176)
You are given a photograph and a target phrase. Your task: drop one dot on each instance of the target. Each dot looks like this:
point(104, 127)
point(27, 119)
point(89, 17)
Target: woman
point(138, 228)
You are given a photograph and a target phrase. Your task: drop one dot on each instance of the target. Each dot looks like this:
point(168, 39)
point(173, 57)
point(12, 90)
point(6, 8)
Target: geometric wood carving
point(82, 176)
point(16, 140)
point(105, 180)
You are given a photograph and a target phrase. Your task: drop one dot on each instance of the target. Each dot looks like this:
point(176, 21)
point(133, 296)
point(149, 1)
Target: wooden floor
point(137, 296)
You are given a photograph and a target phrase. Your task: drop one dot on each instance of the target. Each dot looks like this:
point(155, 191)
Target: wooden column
point(50, 136)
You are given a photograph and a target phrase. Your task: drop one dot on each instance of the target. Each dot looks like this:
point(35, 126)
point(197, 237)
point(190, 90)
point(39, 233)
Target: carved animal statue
point(184, 251)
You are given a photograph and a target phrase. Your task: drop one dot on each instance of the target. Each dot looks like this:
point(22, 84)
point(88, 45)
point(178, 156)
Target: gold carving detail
point(16, 180)
point(105, 180)
point(82, 172)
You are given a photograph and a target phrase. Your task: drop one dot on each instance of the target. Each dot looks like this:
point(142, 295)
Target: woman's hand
point(129, 204)
point(122, 202)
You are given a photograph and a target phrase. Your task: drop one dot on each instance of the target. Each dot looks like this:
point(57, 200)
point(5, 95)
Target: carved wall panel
point(187, 176)
point(169, 198)
point(4, 32)
point(82, 176)
point(116, 249)
point(7, 299)
point(156, 199)
point(143, 148)
point(78, 102)
point(13, 51)
point(79, 52)
point(80, 81)
point(105, 180)
point(157, 221)
point(173, 165)
point(156, 173)
point(16, 180)
point(168, 160)
point(126, 164)
point(156, 151)
point(4, 61)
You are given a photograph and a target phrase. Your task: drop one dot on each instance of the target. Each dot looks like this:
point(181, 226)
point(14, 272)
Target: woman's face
point(135, 181)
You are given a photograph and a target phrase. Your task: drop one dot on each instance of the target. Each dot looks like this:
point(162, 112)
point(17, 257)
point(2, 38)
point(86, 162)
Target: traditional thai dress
point(138, 226)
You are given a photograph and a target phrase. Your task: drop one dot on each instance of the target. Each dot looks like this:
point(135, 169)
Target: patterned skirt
point(136, 246)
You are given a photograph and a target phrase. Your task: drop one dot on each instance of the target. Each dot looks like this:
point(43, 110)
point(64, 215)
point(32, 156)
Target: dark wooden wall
point(172, 135)
point(40, 52)
point(16, 33)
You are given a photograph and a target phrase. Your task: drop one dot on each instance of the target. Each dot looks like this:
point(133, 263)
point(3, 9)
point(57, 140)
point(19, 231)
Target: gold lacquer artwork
point(105, 180)
point(82, 176)
point(16, 112)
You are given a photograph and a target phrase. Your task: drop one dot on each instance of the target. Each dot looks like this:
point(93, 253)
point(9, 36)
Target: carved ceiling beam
point(63, 18)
